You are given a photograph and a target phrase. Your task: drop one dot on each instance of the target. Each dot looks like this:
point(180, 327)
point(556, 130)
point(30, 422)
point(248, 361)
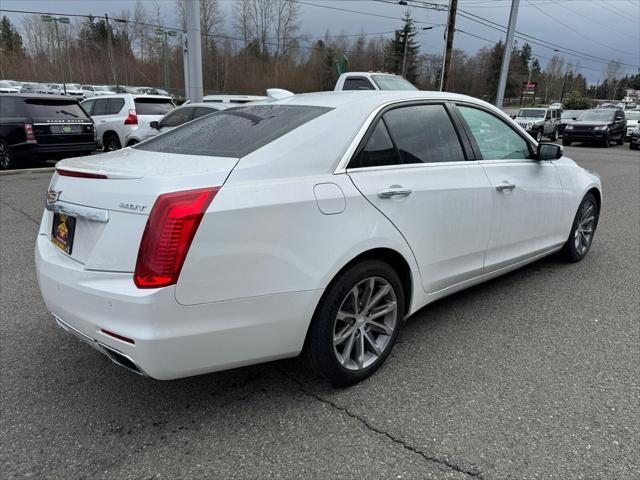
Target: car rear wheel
point(582, 230)
point(111, 142)
point(131, 143)
point(6, 157)
point(620, 141)
point(606, 142)
point(539, 135)
point(554, 136)
point(356, 323)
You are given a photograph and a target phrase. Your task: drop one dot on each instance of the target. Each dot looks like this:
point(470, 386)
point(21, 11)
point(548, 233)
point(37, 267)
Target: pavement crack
point(34, 220)
point(473, 472)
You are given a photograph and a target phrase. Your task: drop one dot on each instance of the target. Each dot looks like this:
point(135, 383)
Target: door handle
point(505, 187)
point(394, 191)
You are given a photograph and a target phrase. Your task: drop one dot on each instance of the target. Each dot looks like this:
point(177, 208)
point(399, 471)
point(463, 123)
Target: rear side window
point(114, 106)
point(100, 107)
point(424, 134)
point(235, 132)
point(357, 84)
point(10, 107)
point(55, 109)
point(378, 151)
point(153, 106)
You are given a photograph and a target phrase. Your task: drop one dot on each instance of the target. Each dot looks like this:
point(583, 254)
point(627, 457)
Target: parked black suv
point(36, 126)
point(599, 125)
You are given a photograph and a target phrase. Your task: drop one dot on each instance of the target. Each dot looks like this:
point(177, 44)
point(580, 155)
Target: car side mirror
point(549, 151)
point(154, 124)
point(512, 116)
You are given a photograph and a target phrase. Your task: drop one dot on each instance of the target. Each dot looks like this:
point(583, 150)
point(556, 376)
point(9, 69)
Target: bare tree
point(285, 20)
point(612, 73)
point(242, 20)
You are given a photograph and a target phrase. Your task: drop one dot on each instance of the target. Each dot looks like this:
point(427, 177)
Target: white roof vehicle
point(6, 87)
point(319, 221)
point(372, 81)
point(239, 99)
point(118, 115)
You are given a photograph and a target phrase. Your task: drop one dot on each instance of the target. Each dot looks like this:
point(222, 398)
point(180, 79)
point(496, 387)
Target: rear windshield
point(55, 109)
point(235, 132)
point(153, 106)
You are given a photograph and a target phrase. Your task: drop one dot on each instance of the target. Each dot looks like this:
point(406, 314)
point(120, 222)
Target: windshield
point(235, 132)
point(389, 82)
point(101, 89)
point(632, 115)
point(531, 113)
point(570, 114)
point(597, 115)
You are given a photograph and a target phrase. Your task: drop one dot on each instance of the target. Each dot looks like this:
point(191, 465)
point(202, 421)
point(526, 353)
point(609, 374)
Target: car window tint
point(235, 132)
point(10, 107)
point(100, 107)
point(153, 106)
point(88, 106)
point(178, 117)
point(202, 111)
point(424, 133)
point(55, 109)
point(496, 140)
point(115, 105)
point(378, 151)
point(357, 84)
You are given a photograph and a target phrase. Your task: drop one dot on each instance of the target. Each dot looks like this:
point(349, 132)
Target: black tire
point(571, 251)
point(132, 143)
point(554, 136)
point(620, 141)
point(539, 135)
point(566, 143)
point(632, 147)
point(606, 142)
point(319, 347)
point(7, 160)
point(111, 142)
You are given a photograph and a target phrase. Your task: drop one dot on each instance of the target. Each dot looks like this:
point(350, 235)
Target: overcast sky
point(608, 29)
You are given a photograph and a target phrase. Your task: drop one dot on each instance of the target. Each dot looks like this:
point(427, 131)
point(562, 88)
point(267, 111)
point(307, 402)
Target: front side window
point(495, 139)
point(202, 111)
point(178, 117)
point(424, 134)
point(357, 84)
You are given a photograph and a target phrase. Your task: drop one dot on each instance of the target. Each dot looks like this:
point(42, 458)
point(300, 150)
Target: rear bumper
point(40, 150)
point(171, 340)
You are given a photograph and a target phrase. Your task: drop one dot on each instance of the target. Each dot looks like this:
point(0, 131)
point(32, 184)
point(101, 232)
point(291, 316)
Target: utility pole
point(451, 28)
point(195, 49)
point(506, 57)
point(56, 20)
point(564, 82)
point(185, 63)
point(166, 71)
point(109, 51)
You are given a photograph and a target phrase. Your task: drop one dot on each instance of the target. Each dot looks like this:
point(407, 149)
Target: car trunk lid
point(109, 198)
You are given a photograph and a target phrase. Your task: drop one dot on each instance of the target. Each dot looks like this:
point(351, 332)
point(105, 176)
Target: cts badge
point(53, 196)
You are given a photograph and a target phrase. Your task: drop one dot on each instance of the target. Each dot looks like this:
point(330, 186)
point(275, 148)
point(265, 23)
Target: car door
point(412, 166)
point(99, 115)
point(618, 123)
point(527, 194)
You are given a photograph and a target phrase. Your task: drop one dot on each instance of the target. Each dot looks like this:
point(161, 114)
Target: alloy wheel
point(112, 145)
point(365, 323)
point(584, 231)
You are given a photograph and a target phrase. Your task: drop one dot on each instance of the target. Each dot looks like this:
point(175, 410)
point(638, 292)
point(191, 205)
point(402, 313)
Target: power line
point(573, 29)
point(598, 22)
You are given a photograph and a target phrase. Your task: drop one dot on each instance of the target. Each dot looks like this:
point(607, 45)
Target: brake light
point(28, 131)
point(171, 226)
point(73, 173)
point(132, 118)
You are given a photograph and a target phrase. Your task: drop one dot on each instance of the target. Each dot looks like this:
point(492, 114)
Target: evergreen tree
point(10, 40)
point(403, 49)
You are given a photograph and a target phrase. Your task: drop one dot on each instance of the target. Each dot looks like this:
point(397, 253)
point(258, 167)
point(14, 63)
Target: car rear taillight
point(28, 131)
point(72, 173)
point(132, 118)
point(171, 226)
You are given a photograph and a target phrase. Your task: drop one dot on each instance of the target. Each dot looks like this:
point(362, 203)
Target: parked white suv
point(116, 116)
point(95, 90)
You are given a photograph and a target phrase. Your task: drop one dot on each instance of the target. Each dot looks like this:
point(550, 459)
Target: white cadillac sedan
point(314, 223)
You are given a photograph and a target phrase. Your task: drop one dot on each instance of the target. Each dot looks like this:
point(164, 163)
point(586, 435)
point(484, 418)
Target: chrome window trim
point(346, 157)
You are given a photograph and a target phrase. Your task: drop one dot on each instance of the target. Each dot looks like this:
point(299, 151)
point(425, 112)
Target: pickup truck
point(372, 81)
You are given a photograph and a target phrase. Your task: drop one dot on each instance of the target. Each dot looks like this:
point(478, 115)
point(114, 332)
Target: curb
point(27, 170)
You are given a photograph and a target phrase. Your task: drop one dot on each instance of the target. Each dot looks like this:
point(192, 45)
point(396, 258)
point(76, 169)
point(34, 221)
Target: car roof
point(125, 95)
point(369, 98)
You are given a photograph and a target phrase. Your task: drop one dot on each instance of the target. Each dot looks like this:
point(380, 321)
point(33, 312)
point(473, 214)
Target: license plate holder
point(63, 231)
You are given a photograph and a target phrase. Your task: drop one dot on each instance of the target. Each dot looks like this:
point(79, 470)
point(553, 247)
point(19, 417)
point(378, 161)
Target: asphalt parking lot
point(532, 375)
